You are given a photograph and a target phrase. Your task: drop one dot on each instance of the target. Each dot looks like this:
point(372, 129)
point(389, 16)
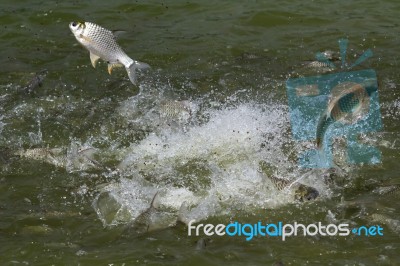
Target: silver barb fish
point(101, 43)
point(179, 110)
point(302, 192)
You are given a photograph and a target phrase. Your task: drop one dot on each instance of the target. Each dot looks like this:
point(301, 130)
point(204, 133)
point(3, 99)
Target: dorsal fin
point(118, 33)
point(152, 203)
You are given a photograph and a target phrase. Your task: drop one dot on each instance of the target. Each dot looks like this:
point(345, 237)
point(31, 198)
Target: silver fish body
point(150, 219)
point(301, 192)
point(55, 156)
point(143, 221)
point(392, 190)
point(101, 44)
point(318, 65)
point(180, 110)
point(72, 159)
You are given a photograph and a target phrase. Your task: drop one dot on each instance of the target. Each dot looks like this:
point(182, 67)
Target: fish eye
point(74, 24)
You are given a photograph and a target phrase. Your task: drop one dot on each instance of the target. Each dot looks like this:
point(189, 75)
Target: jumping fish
point(180, 110)
point(301, 192)
point(143, 223)
point(101, 43)
point(348, 102)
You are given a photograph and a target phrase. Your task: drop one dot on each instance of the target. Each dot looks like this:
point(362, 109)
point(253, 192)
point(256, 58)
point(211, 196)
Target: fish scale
point(393, 190)
point(301, 192)
point(175, 109)
point(101, 43)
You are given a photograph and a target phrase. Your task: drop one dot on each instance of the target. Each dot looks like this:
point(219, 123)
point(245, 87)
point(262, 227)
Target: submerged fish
point(322, 66)
point(393, 224)
point(72, 159)
point(348, 102)
point(180, 110)
point(101, 43)
point(301, 192)
point(55, 156)
point(392, 190)
point(35, 82)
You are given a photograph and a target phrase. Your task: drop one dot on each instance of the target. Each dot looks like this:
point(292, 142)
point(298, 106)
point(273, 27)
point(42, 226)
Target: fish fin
point(131, 70)
point(93, 59)
point(86, 39)
point(153, 203)
point(112, 66)
point(117, 33)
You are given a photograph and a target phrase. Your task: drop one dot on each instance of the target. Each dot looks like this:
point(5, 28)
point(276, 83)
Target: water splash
point(211, 168)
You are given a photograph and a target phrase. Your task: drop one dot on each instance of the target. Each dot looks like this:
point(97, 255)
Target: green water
point(218, 53)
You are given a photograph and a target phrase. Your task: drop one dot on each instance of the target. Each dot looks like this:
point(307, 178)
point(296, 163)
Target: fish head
point(77, 28)
point(305, 193)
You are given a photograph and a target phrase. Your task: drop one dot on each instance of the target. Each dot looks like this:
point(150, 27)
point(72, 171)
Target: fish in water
point(349, 102)
point(301, 192)
point(180, 110)
point(102, 44)
point(391, 190)
point(35, 82)
point(72, 158)
point(53, 156)
point(393, 224)
point(323, 66)
point(143, 223)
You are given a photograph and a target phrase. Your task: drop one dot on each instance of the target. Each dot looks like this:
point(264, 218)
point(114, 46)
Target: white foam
point(212, 167)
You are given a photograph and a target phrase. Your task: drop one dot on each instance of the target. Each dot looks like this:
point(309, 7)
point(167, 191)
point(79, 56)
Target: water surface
point(231, 61)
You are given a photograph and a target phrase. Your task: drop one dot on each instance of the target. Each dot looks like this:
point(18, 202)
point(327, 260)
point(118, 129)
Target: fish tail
point(131, 69)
